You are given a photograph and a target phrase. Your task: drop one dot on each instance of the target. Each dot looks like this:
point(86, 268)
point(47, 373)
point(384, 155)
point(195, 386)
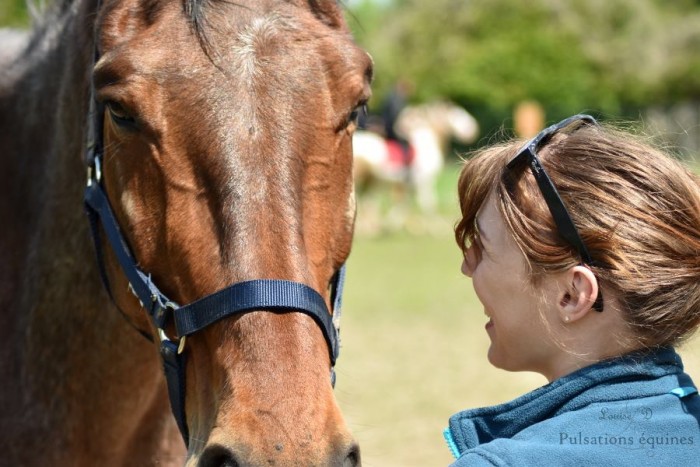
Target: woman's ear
point(578, 294)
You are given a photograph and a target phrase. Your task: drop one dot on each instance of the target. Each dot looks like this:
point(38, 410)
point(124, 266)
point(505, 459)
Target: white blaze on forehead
point(248, 56)
point(251, 42)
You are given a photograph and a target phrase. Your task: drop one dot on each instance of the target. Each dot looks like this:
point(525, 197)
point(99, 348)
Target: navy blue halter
point(260, 295)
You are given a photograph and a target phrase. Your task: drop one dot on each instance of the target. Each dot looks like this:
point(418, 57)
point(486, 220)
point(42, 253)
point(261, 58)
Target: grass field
point(414, 346)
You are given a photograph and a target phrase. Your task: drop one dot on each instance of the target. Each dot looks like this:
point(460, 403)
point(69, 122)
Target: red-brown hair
point(637, 210)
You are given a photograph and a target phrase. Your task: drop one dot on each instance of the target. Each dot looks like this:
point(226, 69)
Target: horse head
point(444, 119)
point(462, 124)
point(227, 157)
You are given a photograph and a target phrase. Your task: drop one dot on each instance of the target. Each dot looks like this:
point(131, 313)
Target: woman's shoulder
point(654, 430)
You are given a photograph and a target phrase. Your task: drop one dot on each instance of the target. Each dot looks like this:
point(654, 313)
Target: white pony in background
point(428, 128)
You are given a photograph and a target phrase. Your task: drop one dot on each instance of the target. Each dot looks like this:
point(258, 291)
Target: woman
point(584, 248)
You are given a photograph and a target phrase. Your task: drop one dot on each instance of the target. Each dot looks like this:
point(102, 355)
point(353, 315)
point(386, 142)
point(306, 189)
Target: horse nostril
point(218, 456)
point(352, 458)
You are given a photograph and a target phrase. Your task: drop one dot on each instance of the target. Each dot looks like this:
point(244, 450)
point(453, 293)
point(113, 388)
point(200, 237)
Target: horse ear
point(329, 12)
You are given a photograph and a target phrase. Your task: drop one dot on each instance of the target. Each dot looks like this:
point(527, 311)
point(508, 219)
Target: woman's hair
point(636, 208)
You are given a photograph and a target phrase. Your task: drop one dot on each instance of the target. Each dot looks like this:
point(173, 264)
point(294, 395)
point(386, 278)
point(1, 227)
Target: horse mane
point(45, 13)
point(48, 18)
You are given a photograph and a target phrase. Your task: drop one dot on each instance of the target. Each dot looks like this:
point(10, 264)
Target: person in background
point(394, 103)
point(528, 119)
point(583, 245)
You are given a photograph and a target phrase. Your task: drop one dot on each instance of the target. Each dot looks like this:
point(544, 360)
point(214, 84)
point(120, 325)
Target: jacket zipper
point(451, 442)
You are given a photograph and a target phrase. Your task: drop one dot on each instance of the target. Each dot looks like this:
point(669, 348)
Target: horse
point(210, 144)
point(428, 128)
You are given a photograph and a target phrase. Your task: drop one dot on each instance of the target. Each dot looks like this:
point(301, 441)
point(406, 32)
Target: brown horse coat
point(227, 157)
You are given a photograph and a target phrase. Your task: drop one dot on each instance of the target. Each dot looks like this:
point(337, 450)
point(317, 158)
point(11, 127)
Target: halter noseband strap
point(263, 294)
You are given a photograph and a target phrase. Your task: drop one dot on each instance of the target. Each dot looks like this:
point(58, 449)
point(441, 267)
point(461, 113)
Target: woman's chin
point(494, 358)
point(500, 361)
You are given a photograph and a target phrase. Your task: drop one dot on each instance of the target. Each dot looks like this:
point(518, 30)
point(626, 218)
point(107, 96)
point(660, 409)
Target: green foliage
point(13, 13)
point(570, 55)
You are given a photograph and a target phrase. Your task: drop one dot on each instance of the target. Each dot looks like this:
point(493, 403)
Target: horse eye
point(357, 112)
point(119, 114)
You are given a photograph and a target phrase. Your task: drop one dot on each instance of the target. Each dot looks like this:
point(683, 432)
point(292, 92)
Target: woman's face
point(517, 311)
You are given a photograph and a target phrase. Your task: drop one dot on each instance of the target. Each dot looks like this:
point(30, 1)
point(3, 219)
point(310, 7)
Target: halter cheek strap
point(263, 294)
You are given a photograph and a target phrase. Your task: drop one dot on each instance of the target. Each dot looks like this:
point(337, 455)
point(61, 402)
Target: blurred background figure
point(528, 119)
point(408, 165)
point(393, 105)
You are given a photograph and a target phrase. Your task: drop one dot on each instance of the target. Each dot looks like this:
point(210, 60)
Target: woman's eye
point(119, 114)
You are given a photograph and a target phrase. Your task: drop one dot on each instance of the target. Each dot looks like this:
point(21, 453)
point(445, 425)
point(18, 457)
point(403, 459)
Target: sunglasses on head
point(562, 219)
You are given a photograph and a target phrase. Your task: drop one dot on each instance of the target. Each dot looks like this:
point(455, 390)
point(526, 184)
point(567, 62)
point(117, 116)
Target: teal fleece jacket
point(637, 410)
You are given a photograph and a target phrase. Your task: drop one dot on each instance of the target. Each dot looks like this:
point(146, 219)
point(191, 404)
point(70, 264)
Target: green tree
point(13, 13)
point(608, 56)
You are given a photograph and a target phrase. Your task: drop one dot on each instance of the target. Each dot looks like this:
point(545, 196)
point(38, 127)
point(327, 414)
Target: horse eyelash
point(129, 122)
point(358, 111)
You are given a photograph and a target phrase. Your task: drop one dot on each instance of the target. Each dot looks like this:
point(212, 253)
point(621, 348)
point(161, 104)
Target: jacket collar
point(600, 381)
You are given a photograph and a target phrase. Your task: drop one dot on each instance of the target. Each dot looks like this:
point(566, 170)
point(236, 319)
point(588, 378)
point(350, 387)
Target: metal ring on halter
point(180, 342)
point(172, 306)
point(97, 170)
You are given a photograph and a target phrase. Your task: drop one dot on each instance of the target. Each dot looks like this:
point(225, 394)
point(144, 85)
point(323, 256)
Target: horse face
point(228, 157)
point(462, 124)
